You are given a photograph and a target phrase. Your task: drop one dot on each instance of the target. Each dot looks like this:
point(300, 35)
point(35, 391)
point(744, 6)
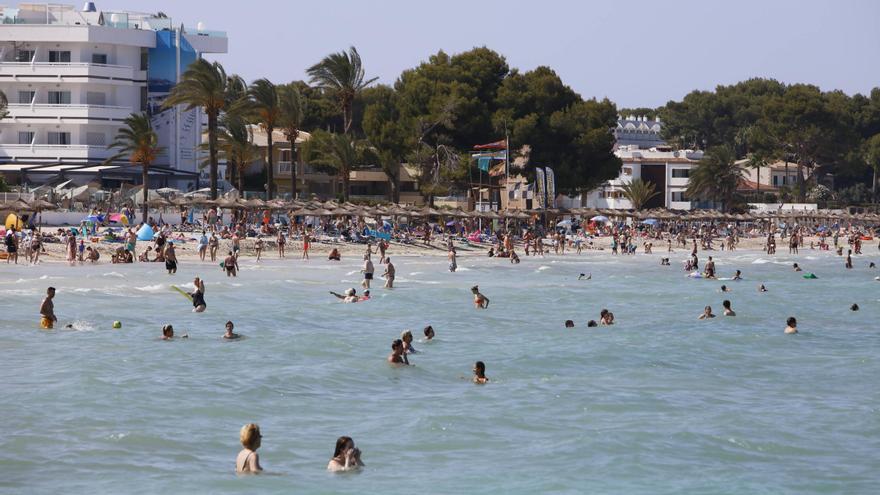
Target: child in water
point(480, 373)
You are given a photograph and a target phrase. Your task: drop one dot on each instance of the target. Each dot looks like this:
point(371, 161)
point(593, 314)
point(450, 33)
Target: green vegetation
point(140, 144)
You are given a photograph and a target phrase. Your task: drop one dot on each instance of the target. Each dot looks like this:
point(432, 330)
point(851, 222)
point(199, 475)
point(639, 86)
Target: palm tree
point(265, 109)
point(291, 118)
point(140, 143)
point(204, 85)
point(235, 145)
point(716, 178)
point(343, 73)
point(639, 192)
point(337, 153)
point(3, 104)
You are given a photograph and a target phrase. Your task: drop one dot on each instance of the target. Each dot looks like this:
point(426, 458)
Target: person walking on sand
point(389, 274)
point(368, 271)
point(47, 310)
point(203, 246)
point(280, 241)
point(213, 245)
point(306, 245)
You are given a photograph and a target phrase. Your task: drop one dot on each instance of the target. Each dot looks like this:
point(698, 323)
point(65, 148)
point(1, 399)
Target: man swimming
point(229, 335)
point(397, 356)
point(791, 325)
point(349, 297)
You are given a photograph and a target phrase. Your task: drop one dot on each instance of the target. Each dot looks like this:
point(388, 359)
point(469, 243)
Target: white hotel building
point(72, 76)
point(646, 156)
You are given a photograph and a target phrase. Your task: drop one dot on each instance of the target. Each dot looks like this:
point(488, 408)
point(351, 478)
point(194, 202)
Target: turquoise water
point(659, 403)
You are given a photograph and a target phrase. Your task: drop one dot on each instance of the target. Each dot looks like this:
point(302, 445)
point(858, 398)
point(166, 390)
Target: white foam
point(152, 288)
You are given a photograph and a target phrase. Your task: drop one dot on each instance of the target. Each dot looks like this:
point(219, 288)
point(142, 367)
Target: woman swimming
point(480, 373)
point(707, 313)
point(480, 301)
point(248, 461)
point(346, 457)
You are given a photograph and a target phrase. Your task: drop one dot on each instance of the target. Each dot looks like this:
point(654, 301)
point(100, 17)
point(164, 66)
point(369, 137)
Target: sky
point(636, 53)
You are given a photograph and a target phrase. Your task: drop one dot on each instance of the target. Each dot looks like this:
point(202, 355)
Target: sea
point(658, 403)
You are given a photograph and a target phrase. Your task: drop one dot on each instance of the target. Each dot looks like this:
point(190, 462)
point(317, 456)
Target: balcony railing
point(54, 151)
point(40, 112)
point(52, 71)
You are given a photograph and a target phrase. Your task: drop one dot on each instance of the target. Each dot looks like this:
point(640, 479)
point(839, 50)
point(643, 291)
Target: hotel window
point(24, 55)
point(59, 56)
point(59, 97)
point(775, 180)
point(25, 97)
point(95, 139)
point(144, 98)
point(99, 58)
point(96, 98)
point(627, 171)
point(145, 57)
point(284, 156)
point(59, 138)
point(25, 137)
point(679, 196)
point(681, 173)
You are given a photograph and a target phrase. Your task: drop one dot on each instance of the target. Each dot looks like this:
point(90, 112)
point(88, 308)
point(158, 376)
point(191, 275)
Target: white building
point(667, 169)
point(72, 76)
point(638, 130)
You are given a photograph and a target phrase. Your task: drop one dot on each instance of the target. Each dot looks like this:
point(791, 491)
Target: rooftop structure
point(639, 131)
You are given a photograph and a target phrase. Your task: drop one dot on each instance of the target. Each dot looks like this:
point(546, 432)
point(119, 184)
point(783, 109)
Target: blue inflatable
point(145, 233)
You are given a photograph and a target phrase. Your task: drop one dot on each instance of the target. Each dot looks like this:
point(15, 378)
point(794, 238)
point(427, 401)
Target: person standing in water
point(306, 245)
point(453, 265)
point(368, 271)
point(248, 461)
point(480, 301)
point(727, 310)
point(47, 310)
point(389, 274)
point(230, 335)
point(170, 258)
point(849, 259)
point(346, 457)
point(198, 296)
point(397, 356)
point(480, 373)
point(230, 264)
point(791, 325)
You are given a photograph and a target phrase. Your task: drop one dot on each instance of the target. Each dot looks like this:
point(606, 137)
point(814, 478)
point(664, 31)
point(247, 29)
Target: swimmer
point(796, 268)
point(198, 296)
point(569, 324)
point(709, 269)
point(725, 288)
point(366, 296)
point(346, 457)
point(229, 335)
point(592, 323)
point(854, 307)
point(248, 461)
point(397, 356)
point(585, 277)
point(606, 317)
point(168, 333)
point(480, 301)
point(349, 297)
point(407, 337)
point(429, 333)
point(664, 262)
point(727, 310)
point(367, 270)
point(480, 373)
point(872, 265)
point(707, 313)
point(791, 325)
point(47, 310)
point(737, 275)
point(762, 288)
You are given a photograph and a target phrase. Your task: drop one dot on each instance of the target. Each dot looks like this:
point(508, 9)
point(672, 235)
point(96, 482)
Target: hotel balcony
point(53, 152)
point(69, 72)
point(41, 113)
